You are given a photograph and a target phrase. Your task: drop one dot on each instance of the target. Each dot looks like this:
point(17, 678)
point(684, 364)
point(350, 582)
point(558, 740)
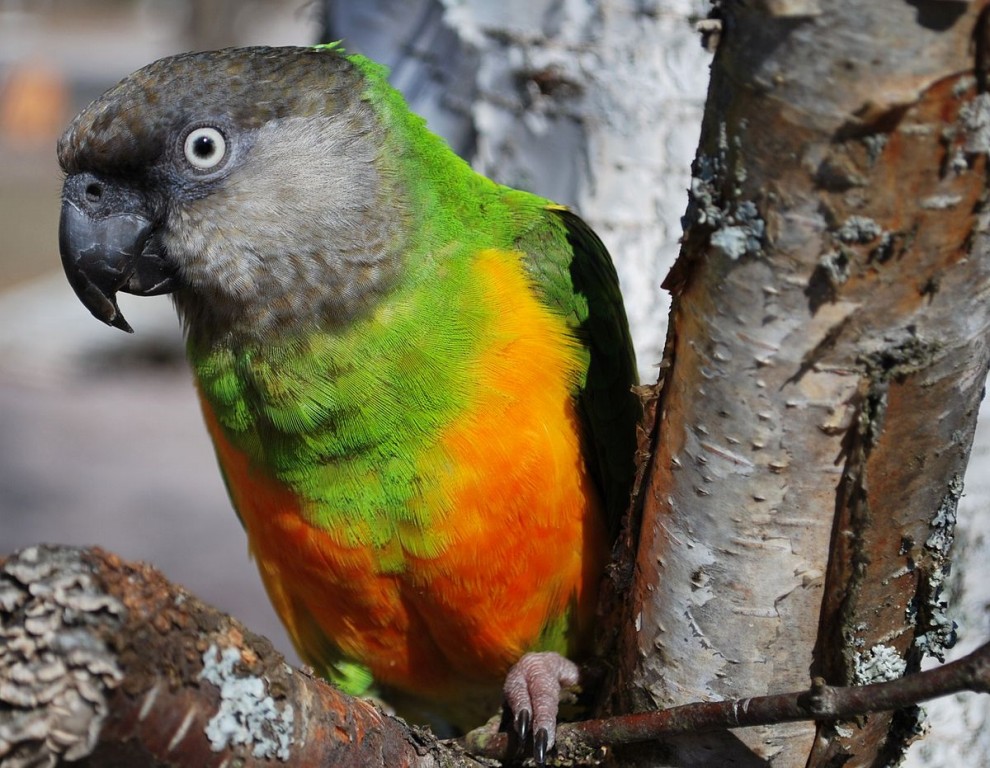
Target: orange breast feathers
point(524, 541)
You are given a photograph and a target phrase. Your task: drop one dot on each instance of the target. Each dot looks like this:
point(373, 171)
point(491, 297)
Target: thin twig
point(820, 702)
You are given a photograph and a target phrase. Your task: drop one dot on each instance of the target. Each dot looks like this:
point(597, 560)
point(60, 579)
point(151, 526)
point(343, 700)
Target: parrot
point(419, 383)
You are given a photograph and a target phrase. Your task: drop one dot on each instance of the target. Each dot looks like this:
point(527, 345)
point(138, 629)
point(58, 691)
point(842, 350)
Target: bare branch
point(578, 741)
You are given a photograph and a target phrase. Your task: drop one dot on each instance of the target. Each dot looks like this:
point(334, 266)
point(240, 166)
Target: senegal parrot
point(417, 381)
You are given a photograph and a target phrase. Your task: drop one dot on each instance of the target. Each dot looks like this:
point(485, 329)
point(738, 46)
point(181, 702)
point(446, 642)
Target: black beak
point(108, 245)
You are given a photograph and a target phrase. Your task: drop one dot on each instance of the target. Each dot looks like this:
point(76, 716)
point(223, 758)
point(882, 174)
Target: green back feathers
point(457, 204)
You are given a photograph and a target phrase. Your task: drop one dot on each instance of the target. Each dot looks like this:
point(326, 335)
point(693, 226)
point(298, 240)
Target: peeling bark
point(825, 362)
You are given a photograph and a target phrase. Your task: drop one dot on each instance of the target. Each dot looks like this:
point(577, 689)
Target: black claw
point(540, 740)
point(523, 720)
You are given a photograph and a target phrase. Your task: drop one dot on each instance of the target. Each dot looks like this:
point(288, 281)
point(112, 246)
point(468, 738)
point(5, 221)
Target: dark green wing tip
point(593, 274)
point(610, 409)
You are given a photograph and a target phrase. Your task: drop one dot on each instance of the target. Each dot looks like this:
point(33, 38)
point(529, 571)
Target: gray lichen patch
point(936, 631)
point(865, 235)
point(943, 524)
point(737, 228)
point(742, 232)
point(878, 664)
point(55, 670)
point(703, 195)
point(974, 118)
point(248, 715)
point(859, 229)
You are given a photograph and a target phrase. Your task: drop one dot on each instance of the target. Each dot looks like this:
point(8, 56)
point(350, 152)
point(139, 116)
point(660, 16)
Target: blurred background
point(101, 440)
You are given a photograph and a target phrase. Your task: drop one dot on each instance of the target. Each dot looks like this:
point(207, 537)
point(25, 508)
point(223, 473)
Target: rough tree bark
point(824, 368)
point(105, 662)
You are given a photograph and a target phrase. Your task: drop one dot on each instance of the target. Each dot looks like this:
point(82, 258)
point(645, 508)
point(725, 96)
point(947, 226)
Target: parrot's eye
point(205, 148)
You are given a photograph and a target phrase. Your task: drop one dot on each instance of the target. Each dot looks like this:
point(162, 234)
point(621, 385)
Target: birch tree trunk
point(826, 361)
point(956, 732)
point(827, 353)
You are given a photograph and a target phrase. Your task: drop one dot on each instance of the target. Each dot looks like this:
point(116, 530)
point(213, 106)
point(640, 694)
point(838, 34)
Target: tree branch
point(106, 662)
point(576, 741)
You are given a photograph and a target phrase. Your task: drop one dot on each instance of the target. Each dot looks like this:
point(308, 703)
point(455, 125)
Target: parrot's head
point(251, 183)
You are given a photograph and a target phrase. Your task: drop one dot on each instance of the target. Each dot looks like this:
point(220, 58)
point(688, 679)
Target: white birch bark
point(820, 404)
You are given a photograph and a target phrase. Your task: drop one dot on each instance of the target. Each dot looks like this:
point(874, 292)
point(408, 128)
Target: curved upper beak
point(107, 245)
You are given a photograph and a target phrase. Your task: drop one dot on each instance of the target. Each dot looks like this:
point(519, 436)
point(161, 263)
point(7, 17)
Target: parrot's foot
point(532, 692)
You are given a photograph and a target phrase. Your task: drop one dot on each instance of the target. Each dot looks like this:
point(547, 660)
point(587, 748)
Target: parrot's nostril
point(94, 192)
